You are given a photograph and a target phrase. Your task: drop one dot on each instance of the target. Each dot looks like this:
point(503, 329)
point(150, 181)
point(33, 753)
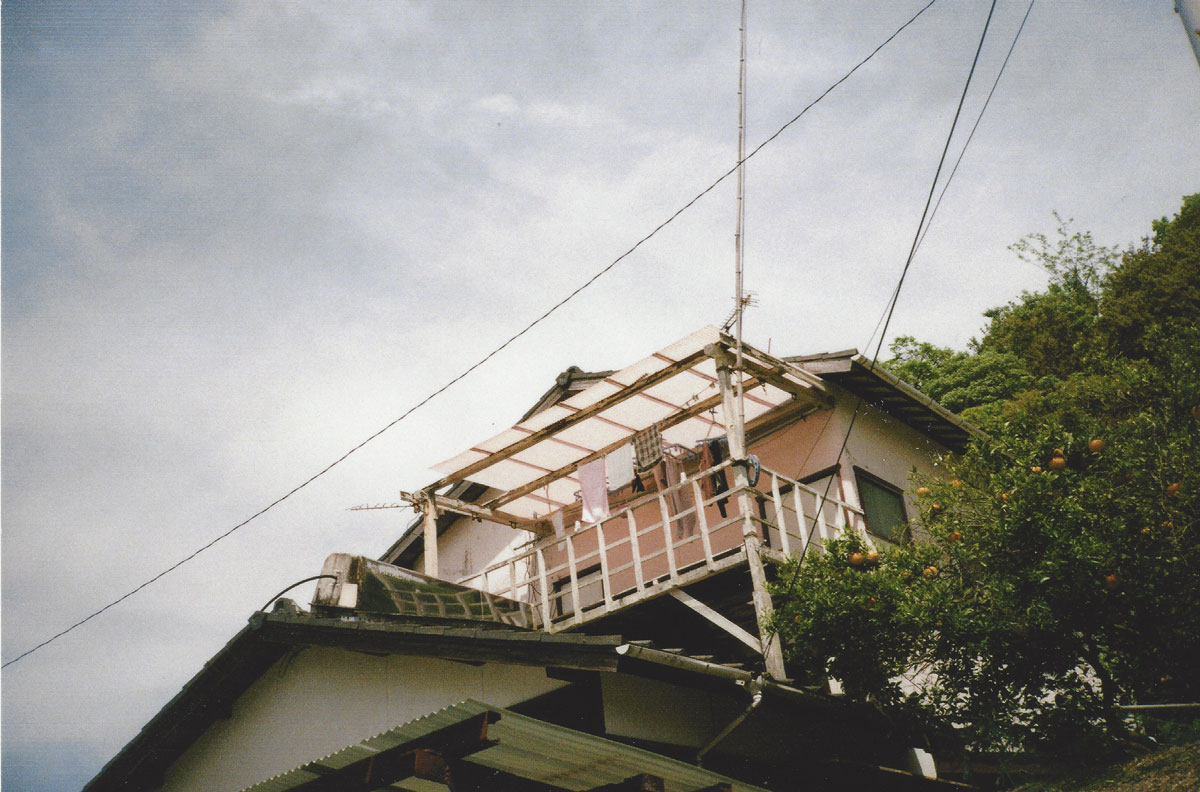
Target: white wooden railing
point(663, 540)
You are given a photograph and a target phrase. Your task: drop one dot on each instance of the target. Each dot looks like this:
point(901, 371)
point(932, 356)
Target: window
point(883, 506)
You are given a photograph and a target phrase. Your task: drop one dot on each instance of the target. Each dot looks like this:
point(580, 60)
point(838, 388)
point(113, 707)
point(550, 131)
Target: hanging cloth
point(667, 474)
point(594, 491)
point(619, 465)
point(712, 453)
point(647, 448)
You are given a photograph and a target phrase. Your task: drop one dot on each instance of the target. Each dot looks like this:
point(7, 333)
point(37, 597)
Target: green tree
point(1061, 578)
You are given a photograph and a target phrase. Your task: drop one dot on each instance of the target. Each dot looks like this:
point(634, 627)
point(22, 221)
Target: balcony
point(664, 541)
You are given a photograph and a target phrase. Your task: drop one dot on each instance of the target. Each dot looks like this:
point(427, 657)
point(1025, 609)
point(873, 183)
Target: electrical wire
point(946, 185)
point(297, 583)
point(540, 318)
point(917, 237)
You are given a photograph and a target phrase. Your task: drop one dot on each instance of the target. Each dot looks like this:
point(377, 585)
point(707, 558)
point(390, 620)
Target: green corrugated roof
point(528, 748)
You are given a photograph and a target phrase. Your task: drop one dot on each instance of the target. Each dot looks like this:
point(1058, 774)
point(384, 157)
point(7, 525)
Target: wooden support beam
point(768, 643)
point(716, 618)
point(425, 757)
point(431, 538)
point(664, 424)
point(643, 383)
point(643, 782)
point(472, 510)
point(818, 395)
point(761, 360)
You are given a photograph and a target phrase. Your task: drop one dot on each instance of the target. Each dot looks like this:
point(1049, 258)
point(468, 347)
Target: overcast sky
point(240, 237)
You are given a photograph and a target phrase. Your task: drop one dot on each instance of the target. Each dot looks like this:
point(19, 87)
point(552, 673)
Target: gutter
point(747, 680)
point(754, 688)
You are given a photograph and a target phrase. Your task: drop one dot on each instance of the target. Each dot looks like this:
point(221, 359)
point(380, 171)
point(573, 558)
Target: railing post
point(638, 575)
point(512, 580)
point(702, 523)
point(801, 521)
point(541, 562)
point(605, 583)
point(668, 542)
point(575, 603)
point(784, 544)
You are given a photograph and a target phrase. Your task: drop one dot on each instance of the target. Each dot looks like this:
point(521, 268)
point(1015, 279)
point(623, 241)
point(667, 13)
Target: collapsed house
point(579, 605)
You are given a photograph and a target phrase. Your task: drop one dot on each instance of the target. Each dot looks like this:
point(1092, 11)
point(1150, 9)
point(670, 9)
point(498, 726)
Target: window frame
point(860, 476)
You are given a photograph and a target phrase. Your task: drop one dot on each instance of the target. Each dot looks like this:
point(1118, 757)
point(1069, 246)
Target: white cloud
point(239, 240)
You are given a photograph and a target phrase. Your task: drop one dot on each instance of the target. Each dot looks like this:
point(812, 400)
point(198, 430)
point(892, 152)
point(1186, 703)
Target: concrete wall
point(320, 700)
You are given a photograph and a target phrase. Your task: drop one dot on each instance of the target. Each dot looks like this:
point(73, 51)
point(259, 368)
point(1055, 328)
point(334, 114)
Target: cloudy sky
point(240, 237)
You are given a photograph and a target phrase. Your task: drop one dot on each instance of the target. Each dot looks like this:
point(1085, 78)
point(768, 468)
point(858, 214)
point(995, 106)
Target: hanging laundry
point(594, 491)
point(619, 465)
point(556, 519)
point(711, 454)
point(648, 448)
point(667, 474)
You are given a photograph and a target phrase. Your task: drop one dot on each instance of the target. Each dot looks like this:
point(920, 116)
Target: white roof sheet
point(616, 422)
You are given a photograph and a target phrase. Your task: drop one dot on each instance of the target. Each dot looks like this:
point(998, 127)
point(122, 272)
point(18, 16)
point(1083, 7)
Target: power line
point(540, 318)
point(963, 151)
point(917, 237)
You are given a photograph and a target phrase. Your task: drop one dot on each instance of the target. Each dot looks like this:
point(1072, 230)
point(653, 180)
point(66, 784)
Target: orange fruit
point(1096, 445)
point(1058, 463)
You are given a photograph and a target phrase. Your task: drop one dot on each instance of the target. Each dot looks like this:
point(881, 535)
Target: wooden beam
point(774, 377)
point(424, 757)
point(664, 424)
point(472, 510)
point(772, 362)
point(643, 383)
point(429, 518)
point(716, 618)
point(643, 782)
point(768, 643)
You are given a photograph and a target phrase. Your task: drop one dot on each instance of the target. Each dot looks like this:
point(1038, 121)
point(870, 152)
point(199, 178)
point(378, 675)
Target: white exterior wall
point(879, 444)
point(469, 546)
point(320, 700)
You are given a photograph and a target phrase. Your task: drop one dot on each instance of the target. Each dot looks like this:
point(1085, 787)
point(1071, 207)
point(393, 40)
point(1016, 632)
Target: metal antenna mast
point(739, 297)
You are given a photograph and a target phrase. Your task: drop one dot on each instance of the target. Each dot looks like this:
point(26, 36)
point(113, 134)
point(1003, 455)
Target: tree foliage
point(1062, 577)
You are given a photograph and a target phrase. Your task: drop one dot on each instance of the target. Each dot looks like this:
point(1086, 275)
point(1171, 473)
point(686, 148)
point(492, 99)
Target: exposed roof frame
point(762, 367)
point(567, 422)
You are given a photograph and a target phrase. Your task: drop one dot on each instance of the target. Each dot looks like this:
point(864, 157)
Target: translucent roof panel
point(653, 392)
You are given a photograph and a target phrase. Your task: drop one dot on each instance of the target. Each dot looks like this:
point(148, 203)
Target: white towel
point(620, 467)
point(594, 491)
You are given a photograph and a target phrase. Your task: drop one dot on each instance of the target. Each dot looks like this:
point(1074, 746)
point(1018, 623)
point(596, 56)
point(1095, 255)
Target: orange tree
point(1061, 574)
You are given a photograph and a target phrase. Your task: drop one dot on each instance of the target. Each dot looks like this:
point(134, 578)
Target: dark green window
point(883, 506)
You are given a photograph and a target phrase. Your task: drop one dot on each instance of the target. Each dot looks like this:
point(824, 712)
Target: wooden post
point(772, 653)
point(431, 538)
point(702, 522)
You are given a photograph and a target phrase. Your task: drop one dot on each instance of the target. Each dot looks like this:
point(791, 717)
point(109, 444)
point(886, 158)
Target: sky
point(241, 237)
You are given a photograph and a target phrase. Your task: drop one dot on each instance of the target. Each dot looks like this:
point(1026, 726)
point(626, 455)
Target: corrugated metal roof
point(642, 410)
point(528, 748)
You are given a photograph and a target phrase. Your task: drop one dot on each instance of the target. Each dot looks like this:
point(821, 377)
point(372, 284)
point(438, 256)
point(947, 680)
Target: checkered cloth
point(647, 448)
